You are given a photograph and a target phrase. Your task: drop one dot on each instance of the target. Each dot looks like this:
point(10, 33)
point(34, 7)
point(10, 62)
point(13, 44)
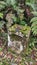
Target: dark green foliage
point(18, 16)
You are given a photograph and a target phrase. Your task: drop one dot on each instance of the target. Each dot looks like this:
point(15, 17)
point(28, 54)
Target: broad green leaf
point(1, 15)
point(33, 19)
point(34, 13)
point(34, 24)
point(2, 5)
point(31, 5)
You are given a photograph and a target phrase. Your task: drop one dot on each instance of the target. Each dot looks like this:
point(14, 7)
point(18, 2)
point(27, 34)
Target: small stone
point(31, 63)
point(36, 59)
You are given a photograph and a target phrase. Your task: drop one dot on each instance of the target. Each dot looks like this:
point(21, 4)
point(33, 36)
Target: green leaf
point(31, 5)
point(0, 49)
point(22, 23)
point(11, 2)
point(1, 15)
point(2, 5)
point(34, 25)
point(33, 19)
point(34, 13)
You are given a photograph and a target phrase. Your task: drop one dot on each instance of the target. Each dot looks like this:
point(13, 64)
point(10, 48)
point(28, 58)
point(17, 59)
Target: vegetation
point(18, 32)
